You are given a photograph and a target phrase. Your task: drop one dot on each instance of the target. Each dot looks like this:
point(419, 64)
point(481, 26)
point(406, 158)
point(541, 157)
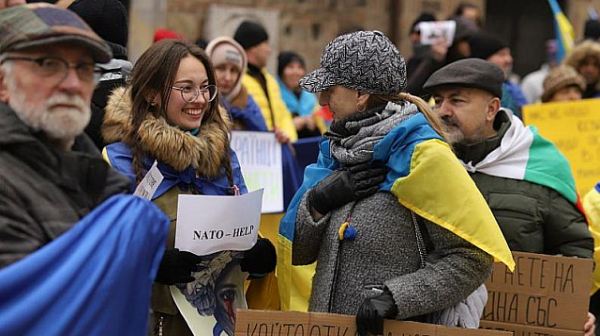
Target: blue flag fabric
point(93, 280)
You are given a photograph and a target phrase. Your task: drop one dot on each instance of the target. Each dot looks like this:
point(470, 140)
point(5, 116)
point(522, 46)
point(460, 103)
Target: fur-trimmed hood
point(165, 143)
point(582, 51)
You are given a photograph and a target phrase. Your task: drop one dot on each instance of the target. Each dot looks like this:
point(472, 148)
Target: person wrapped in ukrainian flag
point(396, 226)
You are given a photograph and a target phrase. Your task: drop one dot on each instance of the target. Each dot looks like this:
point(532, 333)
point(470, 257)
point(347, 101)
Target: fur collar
point(165, 143)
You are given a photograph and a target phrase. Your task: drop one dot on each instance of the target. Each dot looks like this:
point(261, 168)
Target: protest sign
point(278, 323)
point(434, 30)
point(259, 155)
point(574, 127)
point(208, 303)
point(543, 291)
point(523, 330)
point(208, 224)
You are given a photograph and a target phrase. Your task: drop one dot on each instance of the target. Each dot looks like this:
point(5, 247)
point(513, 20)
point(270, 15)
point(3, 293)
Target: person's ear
point(493, 107)
point(362, 100)
point(3, 87)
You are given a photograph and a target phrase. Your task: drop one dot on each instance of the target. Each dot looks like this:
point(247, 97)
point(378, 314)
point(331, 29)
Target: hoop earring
point(358, 109)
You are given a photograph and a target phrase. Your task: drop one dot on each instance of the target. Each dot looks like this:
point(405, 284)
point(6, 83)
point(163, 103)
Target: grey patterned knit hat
point(365, 61)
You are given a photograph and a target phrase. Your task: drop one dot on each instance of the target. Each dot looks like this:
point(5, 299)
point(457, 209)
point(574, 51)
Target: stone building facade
point(306, 26)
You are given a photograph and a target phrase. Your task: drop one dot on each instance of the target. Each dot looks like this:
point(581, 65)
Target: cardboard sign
point(278, 323)
point(523, 330)
point(259, 155)
point(574, 127)
point(543, 291)
point(208, 224)
point(434, 30)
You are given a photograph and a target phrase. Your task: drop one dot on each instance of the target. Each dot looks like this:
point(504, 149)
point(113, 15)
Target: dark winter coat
point(44, 191)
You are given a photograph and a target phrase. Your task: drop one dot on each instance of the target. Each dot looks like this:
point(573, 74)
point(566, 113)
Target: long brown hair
point(433, 119)
point(154, 73)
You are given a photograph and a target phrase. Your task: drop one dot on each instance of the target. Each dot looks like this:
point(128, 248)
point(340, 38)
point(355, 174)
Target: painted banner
point(259, 155)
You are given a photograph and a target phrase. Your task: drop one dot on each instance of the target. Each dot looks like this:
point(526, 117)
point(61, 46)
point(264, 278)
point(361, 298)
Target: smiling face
point(188, 116)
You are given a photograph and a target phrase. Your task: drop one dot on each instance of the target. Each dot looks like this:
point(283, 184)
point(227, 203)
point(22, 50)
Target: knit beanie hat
point(483, 45)
point(559, 78)
point(250, 34)
point(286, 58)
point(225, 49)
point(108, 18)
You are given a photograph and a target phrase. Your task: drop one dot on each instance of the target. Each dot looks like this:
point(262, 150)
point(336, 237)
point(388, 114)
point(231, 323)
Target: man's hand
point(589, 328)
point(439, 49)
point(10, 3)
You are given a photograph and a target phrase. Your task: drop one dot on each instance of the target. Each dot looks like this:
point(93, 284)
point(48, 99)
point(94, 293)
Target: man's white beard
point(61, 123)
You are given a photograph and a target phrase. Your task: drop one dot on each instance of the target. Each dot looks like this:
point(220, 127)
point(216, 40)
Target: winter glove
point(176, 267)
point(369, 319)
point(345, 185)
point(260, 259)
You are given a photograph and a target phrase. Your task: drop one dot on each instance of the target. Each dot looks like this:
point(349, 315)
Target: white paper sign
point(259, 154)
point(434, 30)
point(208, 224)
point(149, 183)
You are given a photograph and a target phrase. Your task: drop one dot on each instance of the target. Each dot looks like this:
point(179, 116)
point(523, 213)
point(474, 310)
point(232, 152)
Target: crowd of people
point(426, 174)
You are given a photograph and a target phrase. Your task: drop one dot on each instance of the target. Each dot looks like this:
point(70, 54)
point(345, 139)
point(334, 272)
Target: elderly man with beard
point(526, 181)
point(51, 175)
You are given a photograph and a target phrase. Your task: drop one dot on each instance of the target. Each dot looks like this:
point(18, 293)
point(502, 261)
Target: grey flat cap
point(471, 73)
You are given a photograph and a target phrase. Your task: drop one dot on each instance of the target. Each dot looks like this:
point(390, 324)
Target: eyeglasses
point(190, 93)
point(59, 68)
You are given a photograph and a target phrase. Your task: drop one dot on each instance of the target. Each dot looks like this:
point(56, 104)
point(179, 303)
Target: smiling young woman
point(170, 113)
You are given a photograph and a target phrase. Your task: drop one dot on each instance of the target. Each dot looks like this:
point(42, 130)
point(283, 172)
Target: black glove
point(260, 259)
point(176, 267)
point(345, 185)
point(370, 315)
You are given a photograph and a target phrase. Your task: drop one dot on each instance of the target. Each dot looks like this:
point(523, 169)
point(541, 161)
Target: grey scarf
point(353, 138)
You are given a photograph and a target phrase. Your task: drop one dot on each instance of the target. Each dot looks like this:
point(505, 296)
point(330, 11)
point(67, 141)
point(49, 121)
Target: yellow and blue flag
point(565, 36)
point(425, 176)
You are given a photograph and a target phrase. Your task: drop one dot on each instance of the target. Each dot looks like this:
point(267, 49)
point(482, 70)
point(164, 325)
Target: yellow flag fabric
point(591, 205)
point(450, 199)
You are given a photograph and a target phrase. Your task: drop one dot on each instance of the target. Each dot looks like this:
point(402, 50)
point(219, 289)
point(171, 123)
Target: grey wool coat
point(384, 253)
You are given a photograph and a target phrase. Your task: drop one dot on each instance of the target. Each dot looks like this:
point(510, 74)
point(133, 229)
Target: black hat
point(471, 73)
point(250, 34)
point(285, 58)
point(108, 18)
point(483, 45)
point(424, 17)
point(592, 29)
